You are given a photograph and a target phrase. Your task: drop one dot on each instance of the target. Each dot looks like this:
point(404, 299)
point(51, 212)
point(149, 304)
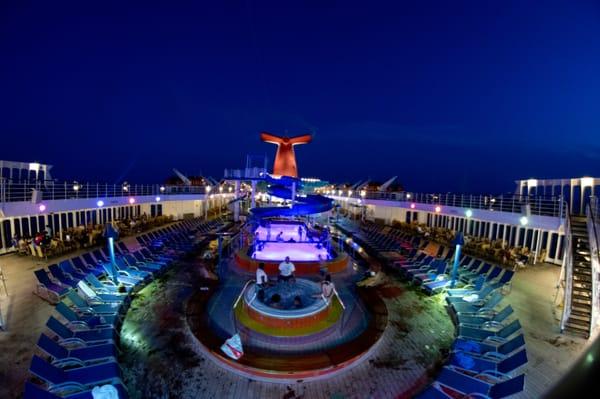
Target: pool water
point(301, 251)
point(287, 293)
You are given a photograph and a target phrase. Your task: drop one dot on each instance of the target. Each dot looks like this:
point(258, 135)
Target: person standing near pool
point(300, 233)
point(286, 270)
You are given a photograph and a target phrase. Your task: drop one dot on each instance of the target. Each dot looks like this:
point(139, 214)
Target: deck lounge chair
point(99, 335)
point(58, 274)
point(47, 289)
point(482, 317)
point(75, 273)
point(489, 302)
point(74, 391)
point(79, 357)
point(82, 377)
point(492, 384)
point(94, 309)
point(87, 321)
point(490, 361)
point(480, 334)
point(491, 344)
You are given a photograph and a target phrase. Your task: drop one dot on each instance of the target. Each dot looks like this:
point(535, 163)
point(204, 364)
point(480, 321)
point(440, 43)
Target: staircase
point(579, 321)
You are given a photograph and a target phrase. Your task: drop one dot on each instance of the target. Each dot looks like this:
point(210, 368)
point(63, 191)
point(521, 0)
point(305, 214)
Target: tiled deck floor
point(382, 376)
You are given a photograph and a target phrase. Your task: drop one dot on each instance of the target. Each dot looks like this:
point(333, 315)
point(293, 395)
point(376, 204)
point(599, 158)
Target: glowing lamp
point(132, 200)
point(76, 186)
point(438, 209)
point(523, 220)
point(157, 199)
point(208, 188)
point(42, 207)
point(162, 189)
point(413, 205)
point(220, 189)
point(349, 193)
point(100, 203)
point(408, 195)
point(230, 189)
point(587, 181)
point(363, 193)
point(339, 192)
point(468, 213)
point(125, 186)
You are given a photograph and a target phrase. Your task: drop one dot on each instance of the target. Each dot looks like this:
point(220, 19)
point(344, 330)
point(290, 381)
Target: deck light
point(438, 209)
point(468, 213)
point(157, 199)
point(523, 220)
point(349, 193)
point(208, 188)
point(363, 193)
point(413, 205)
point(230, 189)
point(125, 186)
point(131, 200)
point(42, 207)
point(408, 196)
point(339, 192)
point(76, 186)
point(162, 189)
point(100, 203)
point(220, 189)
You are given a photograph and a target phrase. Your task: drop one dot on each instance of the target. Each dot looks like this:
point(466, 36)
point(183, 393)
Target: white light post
point(207, 198)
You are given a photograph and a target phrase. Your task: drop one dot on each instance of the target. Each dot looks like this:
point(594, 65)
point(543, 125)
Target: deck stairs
point(580, 315)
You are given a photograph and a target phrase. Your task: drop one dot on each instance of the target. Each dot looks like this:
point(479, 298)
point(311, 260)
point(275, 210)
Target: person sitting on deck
point(262, 279)
point(327, 288)
point(286, 270)
point(279, 236)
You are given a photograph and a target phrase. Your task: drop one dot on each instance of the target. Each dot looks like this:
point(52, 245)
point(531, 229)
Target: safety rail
point(566, 274)
point(593, 226)
point(11, 191)
point(242, 293)
point(537, 205)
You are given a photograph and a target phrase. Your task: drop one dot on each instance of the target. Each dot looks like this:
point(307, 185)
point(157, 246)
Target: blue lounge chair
point(48, 289)
point(106, 286)
point(505, 279)
point(68, 267)
point(467, 290)
point(83, 265)
point(94, 309)
point(489, 302)
point(480, 295)
point(492, 384)
point(482, 317)
point(491, 344)
point(94, 297)
point(99, 256)
point(74, 391)
point(58, 274)
point(479, 334)
point(438, 268)
point(469, 277)
point(79, 357)
point(491, 361)
point(95, 336)
point(82, 377)
point(85, 321)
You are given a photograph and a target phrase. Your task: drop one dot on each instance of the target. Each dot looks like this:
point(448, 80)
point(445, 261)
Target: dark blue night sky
point(449, 96)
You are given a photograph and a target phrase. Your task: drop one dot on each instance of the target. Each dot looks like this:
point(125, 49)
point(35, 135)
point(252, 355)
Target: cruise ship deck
point(299, 200)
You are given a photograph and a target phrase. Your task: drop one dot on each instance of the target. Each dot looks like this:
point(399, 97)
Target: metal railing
point(51, 190)
point(566, 274)
point(593, 226)
point(536, 205)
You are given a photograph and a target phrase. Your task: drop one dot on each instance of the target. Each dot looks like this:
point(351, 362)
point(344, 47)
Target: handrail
point(15, 191)
point(536, 205)
point(335, 292)
point(242, 293)
point(567, 274)
point(594, 243)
